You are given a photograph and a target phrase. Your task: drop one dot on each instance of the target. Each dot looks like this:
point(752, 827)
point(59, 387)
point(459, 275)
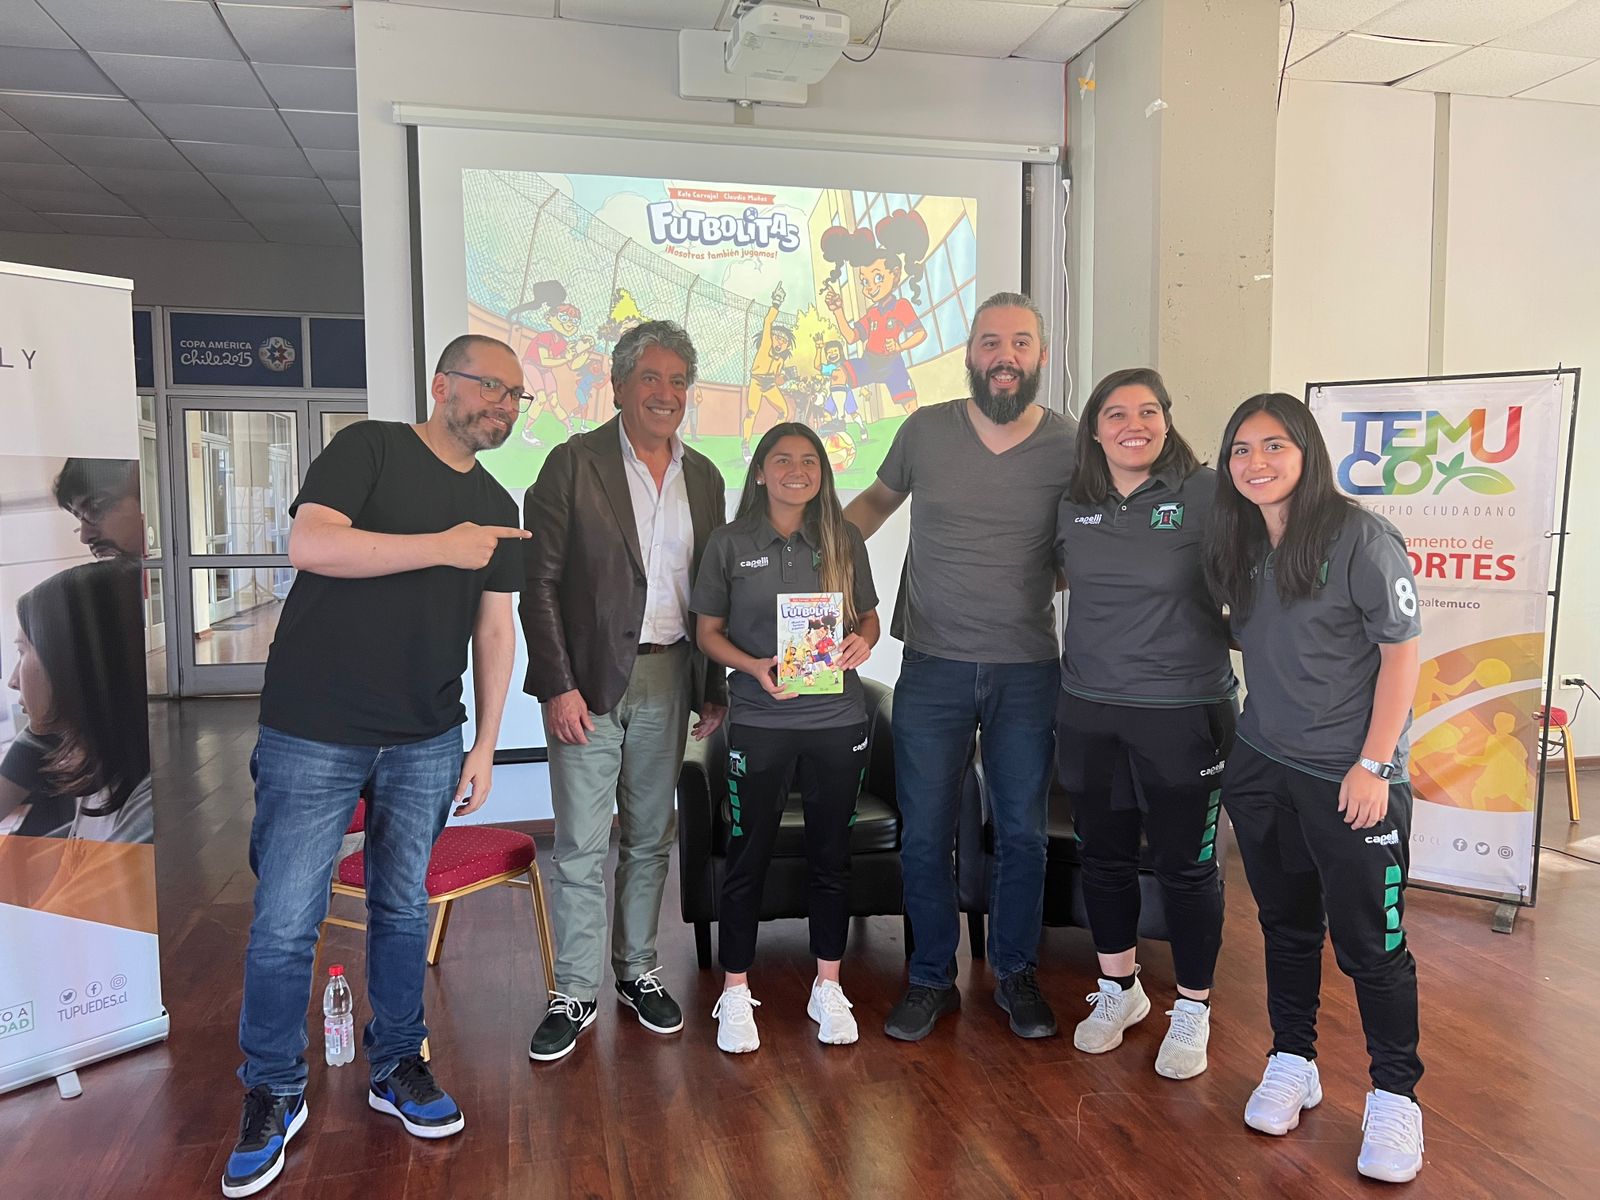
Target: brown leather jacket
point(583, 602)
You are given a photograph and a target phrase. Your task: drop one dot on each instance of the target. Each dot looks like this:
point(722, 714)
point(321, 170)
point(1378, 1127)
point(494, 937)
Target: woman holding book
point(788, 564)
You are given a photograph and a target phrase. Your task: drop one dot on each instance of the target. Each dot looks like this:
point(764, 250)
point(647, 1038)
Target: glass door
point(243, 460)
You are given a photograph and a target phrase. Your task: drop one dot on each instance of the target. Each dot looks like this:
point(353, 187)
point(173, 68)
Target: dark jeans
point(1303, 861)
point(830, 765)
point(1157, 771)
point(306, 793)
point(939, 706)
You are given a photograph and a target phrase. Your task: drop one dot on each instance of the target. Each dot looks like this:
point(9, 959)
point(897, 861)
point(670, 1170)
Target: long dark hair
point(1091, 480)
point(824, 516)
point(86, 627)
point(1236, 539)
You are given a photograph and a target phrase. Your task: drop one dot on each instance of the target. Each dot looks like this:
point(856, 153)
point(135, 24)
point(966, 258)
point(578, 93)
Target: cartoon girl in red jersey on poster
point(554, 321)
point(884, 257)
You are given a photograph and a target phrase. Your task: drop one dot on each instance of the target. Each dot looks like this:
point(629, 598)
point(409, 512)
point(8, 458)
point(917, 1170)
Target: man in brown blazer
point(619, 517)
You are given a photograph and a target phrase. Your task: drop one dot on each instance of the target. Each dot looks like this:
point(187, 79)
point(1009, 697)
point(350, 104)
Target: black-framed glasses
point(494, 391)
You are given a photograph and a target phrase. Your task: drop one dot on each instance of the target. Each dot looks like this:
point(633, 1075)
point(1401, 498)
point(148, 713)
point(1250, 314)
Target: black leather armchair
point(704, 820)
point(1063, 886)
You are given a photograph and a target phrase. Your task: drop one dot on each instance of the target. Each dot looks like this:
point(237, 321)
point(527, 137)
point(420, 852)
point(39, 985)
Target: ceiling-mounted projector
point(786, 42)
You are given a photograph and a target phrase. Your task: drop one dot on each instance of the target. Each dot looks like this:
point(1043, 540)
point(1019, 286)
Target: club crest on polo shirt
point(1167, 516)
point(736, 764)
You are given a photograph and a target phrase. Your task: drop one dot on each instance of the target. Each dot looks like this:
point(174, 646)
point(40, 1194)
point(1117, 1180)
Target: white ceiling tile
point(991, 30)
point(515, 8)
point(155, 204)
point(184, 80)
point(309, 37)
point(325, 89)
point(289, 214)
point(24, 69)
point(336, 164)
point(7, 125)
point(1489, 71)
point(1306, 41)
point(254, 189)
point(1342, 15)
point(323, 130)
point(1580, 87)
point(24, 23)
point(87, 150)
point(160, 183)
point(80, 201)
point(1359, 58)
point(1573, 30)
point(25, 222)
point(345, 191)
point(1067, 32)
point(308, 235)
point(647, 14)
point(190, 28)
point(352, 214)
point(191, 229)
point(24, 147)
point(104, 225)
point(1101, 3)
point(62, 177)
point(1468, 22)
point(108, 116)
point(247, 160)
point(213, 123)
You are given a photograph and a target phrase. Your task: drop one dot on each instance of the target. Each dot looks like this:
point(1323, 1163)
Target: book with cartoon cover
point(810, 628)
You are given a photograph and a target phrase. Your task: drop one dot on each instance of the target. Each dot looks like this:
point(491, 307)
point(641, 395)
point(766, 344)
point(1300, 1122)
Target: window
point(949, 293)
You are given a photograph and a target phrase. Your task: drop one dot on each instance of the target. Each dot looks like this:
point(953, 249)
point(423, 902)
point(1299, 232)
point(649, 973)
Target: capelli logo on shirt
point(753, 563)
point(1092, 519)
point(1392, 838)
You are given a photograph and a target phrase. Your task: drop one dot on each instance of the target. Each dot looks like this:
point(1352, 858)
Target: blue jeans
point(939, 705)
point(306, 793)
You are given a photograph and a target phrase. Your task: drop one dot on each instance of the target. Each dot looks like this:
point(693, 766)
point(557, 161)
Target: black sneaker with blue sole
point(265, 1128)
point(424, 1108)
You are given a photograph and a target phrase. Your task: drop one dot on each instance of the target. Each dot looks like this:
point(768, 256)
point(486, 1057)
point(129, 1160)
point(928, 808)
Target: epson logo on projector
point(1392, 838)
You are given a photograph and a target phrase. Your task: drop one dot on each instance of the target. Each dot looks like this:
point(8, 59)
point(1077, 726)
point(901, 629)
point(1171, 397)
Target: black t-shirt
point(378, 662)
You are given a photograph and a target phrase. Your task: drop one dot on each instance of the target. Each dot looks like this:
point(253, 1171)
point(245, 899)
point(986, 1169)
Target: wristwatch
point(1381, 770)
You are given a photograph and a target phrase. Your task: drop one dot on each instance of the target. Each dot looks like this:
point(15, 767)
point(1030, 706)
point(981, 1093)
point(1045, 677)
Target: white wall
point(1352, 232)
point(236, 275)
point(1520, 256)
point(519, 64)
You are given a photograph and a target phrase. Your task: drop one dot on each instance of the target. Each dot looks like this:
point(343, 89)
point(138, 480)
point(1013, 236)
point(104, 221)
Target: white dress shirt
point(666, 540)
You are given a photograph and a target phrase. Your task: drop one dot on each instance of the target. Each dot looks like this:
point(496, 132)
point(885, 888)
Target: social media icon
point(1506, 852)
point(68, 995)
point(1482, 847)
point(1459, 844)
point(92, 990)
point(118, 982)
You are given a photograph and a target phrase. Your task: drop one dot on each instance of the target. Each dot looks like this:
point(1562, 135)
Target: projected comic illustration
point(842, 309)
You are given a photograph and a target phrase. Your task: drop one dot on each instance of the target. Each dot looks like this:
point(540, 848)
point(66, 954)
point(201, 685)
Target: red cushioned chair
point(1558, 725)
point(465, 859)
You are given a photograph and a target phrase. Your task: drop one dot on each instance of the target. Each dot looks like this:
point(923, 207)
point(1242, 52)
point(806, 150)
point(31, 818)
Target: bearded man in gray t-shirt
point(986, 475)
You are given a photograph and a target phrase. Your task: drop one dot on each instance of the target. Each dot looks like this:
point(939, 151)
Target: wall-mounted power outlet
point(1574, 681)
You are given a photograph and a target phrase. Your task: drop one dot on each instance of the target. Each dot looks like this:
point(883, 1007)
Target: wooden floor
point(1511, 1037)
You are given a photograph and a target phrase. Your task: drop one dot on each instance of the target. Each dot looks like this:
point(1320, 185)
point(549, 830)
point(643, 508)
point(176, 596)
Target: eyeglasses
point(495, 392)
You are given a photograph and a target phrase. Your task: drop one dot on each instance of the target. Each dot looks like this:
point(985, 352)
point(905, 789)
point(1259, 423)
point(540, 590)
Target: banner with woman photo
point(1468, 469)
point(79, 964)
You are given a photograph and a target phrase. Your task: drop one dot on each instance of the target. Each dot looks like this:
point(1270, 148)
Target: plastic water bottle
point(338, 1020)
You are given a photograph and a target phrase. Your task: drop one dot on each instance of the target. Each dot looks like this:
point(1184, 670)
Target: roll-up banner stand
point(1470, 470)
point(79, 963)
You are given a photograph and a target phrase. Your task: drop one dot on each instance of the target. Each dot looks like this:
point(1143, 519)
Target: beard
point(1004, 407)
point(476, 431)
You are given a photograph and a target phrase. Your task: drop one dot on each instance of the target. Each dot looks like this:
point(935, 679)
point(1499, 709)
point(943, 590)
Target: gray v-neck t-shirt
point(979, 576)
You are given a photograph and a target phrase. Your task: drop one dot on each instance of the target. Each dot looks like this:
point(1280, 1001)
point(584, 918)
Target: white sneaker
point(1183, 1050)
point(1291, 1083)
point(831, 1011)
point(736, 1021)
point(1391, 1142)
point(1114, 1010)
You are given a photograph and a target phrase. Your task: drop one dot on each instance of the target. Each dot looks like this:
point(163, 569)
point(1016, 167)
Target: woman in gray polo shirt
point(788, 539)
point(1145, 716)
point(1324, 605)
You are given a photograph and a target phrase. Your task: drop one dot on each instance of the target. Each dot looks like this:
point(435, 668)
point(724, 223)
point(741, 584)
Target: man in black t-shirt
point(407, 549)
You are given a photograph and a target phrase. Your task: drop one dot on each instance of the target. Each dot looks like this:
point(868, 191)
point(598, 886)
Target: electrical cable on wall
point(1284, 70)
point(878, 41)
